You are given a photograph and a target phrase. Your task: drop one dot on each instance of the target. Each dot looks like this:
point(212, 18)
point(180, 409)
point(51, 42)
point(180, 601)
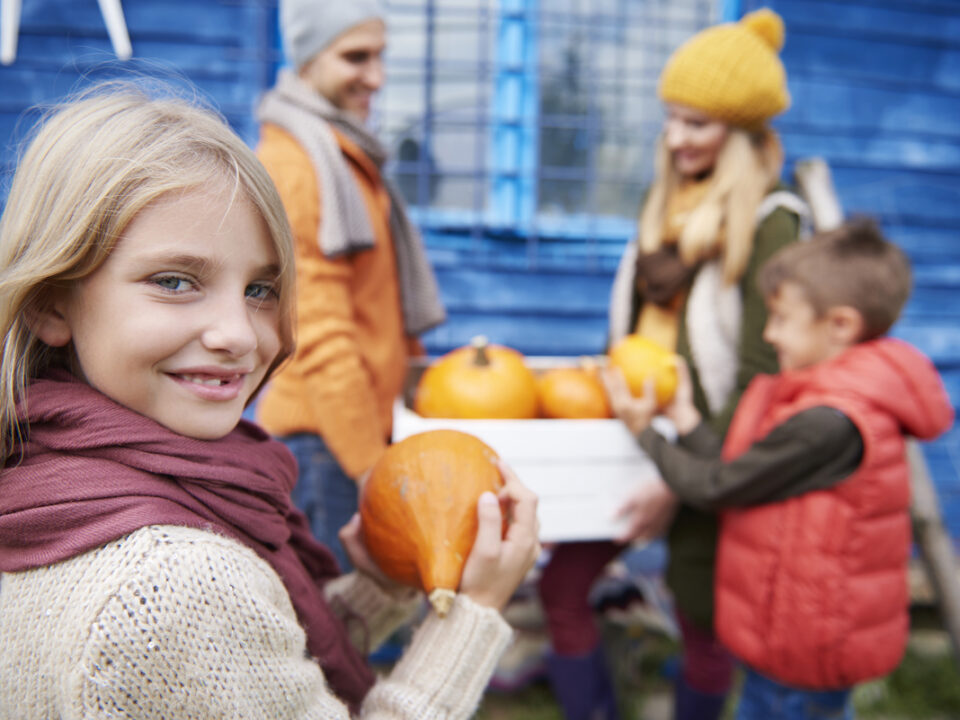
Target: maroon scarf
point(93, 471)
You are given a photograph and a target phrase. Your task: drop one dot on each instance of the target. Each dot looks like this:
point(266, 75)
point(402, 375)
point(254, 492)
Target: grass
point(926, 685)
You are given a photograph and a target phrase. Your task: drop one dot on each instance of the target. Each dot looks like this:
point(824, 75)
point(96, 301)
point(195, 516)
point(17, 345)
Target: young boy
point(811, 586)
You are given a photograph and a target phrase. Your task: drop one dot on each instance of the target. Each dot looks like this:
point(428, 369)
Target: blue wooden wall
point(224, 47)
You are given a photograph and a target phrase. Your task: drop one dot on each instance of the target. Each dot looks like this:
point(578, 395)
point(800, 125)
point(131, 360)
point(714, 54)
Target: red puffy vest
point(812, 591)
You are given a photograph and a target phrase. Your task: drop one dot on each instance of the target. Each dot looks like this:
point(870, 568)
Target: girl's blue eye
point(174, 283)
point(260, 291)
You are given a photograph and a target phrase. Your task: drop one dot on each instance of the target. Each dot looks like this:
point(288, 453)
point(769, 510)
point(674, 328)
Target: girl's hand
point(681, 410)
point(649, 511)
point(352, 539)
point(636, 412)
point(498, 564)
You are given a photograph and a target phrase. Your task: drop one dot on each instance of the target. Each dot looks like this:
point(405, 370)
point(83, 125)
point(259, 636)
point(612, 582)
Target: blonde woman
point(714, 213)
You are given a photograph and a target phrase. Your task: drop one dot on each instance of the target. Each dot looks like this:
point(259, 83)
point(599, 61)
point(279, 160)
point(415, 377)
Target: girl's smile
point(211, 383)
point(181, 322)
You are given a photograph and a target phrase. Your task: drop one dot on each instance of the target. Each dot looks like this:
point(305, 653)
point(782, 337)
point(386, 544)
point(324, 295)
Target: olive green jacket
point(692, 538)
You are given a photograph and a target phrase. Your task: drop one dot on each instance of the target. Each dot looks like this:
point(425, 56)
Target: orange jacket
point(352, 351)
point(812, 591)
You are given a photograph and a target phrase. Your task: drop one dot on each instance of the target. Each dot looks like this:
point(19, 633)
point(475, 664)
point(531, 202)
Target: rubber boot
point(690, 704)
point(583, 686)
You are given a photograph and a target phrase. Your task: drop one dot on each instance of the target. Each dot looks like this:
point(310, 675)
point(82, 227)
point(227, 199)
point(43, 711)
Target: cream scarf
point(308, 116)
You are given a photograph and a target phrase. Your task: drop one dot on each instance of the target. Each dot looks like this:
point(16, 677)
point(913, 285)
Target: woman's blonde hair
point(94, 162)
point(748, 165)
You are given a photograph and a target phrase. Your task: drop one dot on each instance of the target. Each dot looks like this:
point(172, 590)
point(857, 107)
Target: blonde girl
point(152, 564)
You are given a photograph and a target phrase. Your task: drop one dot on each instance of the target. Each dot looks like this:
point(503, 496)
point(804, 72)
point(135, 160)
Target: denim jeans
point(765, 699)
point(324, 492)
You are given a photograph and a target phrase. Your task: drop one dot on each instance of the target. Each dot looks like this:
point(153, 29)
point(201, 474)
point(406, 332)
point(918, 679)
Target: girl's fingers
point(351, 530)
point(489, 524)
point(522, 500)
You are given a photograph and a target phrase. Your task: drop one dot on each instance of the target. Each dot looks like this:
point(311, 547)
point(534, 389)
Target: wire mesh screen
point(534, 117)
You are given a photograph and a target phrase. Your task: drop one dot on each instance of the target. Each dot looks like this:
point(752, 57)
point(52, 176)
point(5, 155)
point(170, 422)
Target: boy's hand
point(681, 411)
point(635, 412)
point(649, 511)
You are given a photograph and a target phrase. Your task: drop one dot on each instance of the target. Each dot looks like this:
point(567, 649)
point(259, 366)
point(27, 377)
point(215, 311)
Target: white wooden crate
point(582, 470)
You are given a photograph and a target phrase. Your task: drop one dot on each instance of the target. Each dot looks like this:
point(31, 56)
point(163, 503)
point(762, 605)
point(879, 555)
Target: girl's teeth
point(206, 381)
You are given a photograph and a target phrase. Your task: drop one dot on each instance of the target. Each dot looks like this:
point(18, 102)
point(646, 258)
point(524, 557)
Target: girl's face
point(182, 320)
point(693, 139)
point(349, 71)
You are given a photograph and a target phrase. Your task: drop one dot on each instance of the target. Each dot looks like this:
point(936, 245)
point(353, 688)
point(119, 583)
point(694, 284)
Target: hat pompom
point(767, 25)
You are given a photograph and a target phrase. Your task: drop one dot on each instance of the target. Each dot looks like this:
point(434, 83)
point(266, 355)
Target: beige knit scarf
point(308, 116)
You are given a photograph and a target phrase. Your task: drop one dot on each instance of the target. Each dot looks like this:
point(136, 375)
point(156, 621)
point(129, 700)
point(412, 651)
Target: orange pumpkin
point(572, 393)
point(479, 381)
point(639, 358)
point(418, 509)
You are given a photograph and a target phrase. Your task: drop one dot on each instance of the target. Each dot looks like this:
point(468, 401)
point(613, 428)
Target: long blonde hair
point(748, 165)
point(92, 165)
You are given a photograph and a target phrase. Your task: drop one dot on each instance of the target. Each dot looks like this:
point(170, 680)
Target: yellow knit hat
point(732, 71)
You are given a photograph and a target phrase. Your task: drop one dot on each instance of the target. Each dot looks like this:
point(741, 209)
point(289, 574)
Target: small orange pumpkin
point(572, 393)
point(418, 509)
point(478, 381)
point(638, 358)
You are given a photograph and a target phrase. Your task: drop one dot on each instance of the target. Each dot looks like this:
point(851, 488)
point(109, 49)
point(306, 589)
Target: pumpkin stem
point(442, 600)
point(479, 343)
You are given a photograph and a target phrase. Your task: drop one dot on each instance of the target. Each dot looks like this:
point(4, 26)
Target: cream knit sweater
point(176, 623)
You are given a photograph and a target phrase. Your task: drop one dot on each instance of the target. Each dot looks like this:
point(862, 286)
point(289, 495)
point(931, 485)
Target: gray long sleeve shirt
point(813, 450)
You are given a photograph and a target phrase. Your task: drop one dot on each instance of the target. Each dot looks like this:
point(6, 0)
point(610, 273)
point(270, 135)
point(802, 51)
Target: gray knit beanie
point(308, 26)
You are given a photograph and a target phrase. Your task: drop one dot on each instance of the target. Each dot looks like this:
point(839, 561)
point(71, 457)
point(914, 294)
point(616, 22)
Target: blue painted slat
point(906, 22)
point(926, 244)
point(940, 304)
point(857, 149)
point(210, 21)
point(30, 87)
point(941, 343)
point(561, 294)
point(531, 335)
point(889, 62)
point(152, 55)
point(826, 104)
point(897, 195)
point(587, 258)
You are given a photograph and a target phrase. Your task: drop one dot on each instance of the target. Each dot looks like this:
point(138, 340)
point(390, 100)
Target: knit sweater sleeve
point(203, 628)
point(370, 614)
point(327, 353)
point(755, 355)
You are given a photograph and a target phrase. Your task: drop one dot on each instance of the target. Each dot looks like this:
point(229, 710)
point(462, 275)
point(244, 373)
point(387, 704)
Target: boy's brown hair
point(854, 265)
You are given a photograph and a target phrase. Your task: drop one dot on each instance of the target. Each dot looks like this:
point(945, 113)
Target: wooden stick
point(116, 28)
point(10, 29)
point(934, 543)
